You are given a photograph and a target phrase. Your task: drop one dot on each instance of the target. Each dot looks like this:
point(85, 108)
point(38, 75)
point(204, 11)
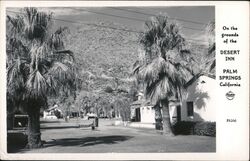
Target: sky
point(201, 15)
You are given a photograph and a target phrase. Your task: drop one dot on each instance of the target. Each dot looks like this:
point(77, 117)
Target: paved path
point(109, 138)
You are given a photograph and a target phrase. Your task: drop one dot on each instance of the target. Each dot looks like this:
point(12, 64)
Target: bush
point(58, 114)
point(205, 129)
point(184, 128)
point(195, 128)
point(16, 140)
point(109, 89)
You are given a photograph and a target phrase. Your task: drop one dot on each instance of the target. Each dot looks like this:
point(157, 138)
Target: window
point(190, 108)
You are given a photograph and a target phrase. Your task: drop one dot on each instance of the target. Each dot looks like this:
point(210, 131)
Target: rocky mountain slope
point(103, 52)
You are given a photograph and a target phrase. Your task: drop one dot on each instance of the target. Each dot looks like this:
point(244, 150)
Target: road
point(60, 137)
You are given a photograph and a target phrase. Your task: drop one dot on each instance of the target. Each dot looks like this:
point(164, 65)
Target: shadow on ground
point(49, 121)
point(59, 127)
point(82, 142)
point(87, 141)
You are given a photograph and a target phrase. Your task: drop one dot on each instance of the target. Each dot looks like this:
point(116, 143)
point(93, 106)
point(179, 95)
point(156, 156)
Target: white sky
point(201, 14)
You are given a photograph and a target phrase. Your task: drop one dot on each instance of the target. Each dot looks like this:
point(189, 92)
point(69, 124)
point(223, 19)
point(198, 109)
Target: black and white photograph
point(124, 80)
point(110, 79)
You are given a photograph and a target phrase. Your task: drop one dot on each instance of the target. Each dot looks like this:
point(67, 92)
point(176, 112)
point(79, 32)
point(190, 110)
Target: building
point(197, 104)
point(142, 111)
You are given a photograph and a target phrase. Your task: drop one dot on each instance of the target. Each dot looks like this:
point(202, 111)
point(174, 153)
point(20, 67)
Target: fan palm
point(37, 66)
point(210, 30)
point(163, 69)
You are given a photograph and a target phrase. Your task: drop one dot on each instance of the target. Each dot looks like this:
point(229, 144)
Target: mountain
point(103, 54)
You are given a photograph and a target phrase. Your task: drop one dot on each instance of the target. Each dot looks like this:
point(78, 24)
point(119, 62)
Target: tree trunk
point(34, 135)
point(167, 127)
point(158, 117)
point(97, 116)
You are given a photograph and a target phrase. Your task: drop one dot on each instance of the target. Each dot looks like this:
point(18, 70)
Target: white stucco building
point(142, 111)
point(198, 104)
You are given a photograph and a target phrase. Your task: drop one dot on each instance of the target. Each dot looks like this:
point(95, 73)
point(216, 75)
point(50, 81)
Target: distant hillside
point(104, 52)
point(108, 53)
point(101, 48)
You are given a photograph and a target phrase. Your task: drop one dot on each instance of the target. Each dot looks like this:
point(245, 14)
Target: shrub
point(109, 89)
point(184, 128)
point(16, 140)
point(205, 129)
point(195, 128)
point(58, 114)
point(123, 106)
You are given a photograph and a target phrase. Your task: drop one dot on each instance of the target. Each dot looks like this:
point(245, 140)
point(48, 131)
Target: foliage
point(109, 89)
point(163, 67)
point(210, 30)
point(97, 102)
point(105, 66)
point(184, 127)
point(38, 66)
point(86, 101)
point(195, 128)
point(123, 103)
point(205, 129)
point(57, 114)
point(161, 36)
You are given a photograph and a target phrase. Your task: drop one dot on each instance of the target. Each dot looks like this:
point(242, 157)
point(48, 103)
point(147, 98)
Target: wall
point(201, 93)
point(148, 114)
point(173, 113)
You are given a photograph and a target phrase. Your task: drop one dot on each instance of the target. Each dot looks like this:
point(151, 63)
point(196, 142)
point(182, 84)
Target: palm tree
point(37, 66)
point(164, 68)
point(210, 31)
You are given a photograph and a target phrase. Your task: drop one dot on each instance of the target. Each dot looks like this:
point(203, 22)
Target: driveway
point(61, 137)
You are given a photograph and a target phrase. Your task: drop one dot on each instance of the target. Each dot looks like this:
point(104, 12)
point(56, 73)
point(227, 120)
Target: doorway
point(178, 113)
point(137, 115)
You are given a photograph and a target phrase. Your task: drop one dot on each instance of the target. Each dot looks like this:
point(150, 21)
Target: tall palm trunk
point(167, 127)
point(34, 135)
point(158, 117)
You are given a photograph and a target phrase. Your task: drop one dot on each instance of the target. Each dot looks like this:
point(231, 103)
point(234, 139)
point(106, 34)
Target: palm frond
point(158, 90)
point(59, 69)
point(170, 75)
point(212, 66)
point(63, 74)
point(36, 23)
point(136, 68)
point(34, 67)
point(211, 50)
point(161, 35)
point(39, 57)
point(64, 54)
point(54, 84)
point(210, 30)
point(36, 85)
point(17, 25)
point(152, 71)
point(55, 41)
point(15, 78)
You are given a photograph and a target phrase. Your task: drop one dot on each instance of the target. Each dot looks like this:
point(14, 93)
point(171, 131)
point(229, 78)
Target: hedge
point(195, 128)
